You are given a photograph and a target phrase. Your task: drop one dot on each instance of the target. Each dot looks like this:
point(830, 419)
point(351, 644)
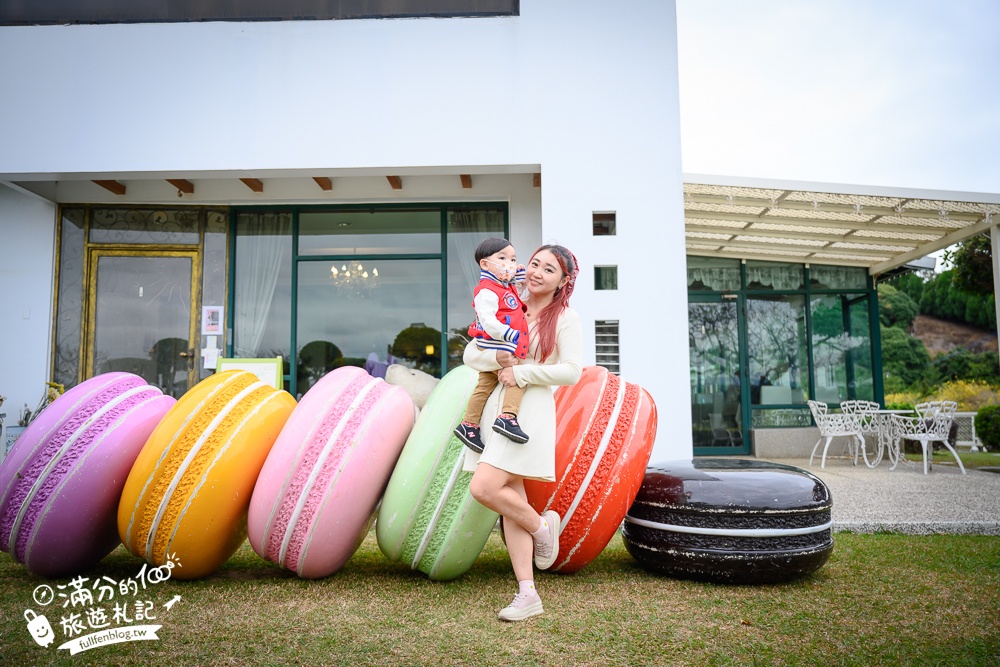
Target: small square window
point(605, 277)
point(606, 338)
point(604, 224)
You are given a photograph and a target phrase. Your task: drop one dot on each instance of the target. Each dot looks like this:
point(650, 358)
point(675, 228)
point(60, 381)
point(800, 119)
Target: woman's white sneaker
point(547, 548)
point(525, 605)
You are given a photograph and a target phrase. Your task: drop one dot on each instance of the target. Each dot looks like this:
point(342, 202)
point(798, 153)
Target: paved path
point(904, 500)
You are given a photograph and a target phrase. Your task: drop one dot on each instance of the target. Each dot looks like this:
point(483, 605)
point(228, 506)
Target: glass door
point(141, 307)
point(717, 387)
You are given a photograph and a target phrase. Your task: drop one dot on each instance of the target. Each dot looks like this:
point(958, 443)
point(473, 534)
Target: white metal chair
point(932, 423)
point(835, 425)
point(866, 412)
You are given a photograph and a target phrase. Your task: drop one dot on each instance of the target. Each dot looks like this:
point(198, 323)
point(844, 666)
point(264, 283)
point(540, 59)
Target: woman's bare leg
point(503, 493)
point(520, 544)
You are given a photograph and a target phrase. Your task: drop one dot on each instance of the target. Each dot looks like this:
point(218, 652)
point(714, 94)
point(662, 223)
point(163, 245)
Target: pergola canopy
point(819, 224)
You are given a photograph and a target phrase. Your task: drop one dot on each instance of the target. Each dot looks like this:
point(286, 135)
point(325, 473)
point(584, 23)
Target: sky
point(897, 93)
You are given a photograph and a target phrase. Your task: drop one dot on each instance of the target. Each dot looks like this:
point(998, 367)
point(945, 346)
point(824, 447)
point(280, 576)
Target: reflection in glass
point(370, 232)
point(263, 291)
point(143, 318)
point(398, 322)
point(70, 302)
point(713, 339)
point(145, 225)
point(841, 358)
point(776, 348)
point(467, 228)
point(213, 275)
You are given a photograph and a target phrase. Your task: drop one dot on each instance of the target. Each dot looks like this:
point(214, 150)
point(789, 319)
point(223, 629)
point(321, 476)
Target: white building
point(157, 168)
point(550, 113)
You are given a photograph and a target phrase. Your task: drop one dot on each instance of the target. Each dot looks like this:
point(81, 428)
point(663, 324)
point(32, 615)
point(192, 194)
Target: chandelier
point(352, 278)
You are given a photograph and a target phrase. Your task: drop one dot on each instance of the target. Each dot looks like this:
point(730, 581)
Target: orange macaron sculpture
point(186, 498)
point(605, 429)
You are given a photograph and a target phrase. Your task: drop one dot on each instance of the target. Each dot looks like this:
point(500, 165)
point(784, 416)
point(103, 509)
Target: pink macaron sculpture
point(60, 485)
point(605, 429)
point(316, 495)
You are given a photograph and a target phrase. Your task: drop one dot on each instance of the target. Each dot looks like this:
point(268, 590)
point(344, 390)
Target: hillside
point(940, 336)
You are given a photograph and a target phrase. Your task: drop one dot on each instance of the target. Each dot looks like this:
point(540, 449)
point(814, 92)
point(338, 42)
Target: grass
point(882, 599)
point(969, 459)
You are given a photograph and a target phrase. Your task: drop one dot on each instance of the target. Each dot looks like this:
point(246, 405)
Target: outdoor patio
point(904, 500)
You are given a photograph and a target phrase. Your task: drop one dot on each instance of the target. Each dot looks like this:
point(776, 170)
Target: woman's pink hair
point(548, 318)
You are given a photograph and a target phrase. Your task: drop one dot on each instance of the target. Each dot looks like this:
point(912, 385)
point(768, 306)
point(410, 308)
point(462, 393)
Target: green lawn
point(882, 599)
point(969, 459)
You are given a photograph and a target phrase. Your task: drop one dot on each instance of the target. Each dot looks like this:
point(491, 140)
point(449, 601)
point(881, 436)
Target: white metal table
point(879, 424)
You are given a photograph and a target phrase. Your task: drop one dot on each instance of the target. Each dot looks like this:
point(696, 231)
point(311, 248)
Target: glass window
point(713, 273)
point(774, 276)
point(394, 319)
point(837, 277)
point(605, 224)
point(467, 228)
point(145, 225)
point(263, 289)
point(777, 351)
point(370, 232)
point(213, 276)
point(605, 277)
point(71, 243)
point(787, 417)
point(841, 348)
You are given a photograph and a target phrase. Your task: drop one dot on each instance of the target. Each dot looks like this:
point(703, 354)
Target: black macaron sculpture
point(730, 521)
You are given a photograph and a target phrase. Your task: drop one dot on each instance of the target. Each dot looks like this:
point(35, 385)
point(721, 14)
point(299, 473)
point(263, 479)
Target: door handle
point(189, 355)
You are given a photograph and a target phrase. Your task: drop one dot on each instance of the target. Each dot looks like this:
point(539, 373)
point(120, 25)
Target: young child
point(500, 325)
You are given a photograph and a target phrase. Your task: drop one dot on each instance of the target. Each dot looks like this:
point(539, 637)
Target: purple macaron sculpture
point(60, 485)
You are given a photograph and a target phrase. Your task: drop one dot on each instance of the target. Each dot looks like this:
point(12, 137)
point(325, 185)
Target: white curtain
point(466, 230)
point(262, 243)
point(837, 277)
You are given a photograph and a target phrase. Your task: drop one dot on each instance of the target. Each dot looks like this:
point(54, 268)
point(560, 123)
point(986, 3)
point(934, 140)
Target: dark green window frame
point(869, 292)
point(442, 256)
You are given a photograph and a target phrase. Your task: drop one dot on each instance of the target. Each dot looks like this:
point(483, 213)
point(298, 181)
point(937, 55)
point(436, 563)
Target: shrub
point(970, 395)
point(988, 426)
point(905, 360)
point(960, 364)
point(895, 308)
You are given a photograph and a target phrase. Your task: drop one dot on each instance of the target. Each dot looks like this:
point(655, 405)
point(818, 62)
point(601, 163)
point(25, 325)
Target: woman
point(554, 358)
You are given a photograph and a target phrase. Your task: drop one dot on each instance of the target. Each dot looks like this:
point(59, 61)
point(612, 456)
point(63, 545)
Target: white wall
point(27, 250)
point(586, 89)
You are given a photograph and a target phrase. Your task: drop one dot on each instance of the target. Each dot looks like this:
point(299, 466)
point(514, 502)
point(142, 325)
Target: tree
point(905, 360)
point(896, 308)
point(972, 262)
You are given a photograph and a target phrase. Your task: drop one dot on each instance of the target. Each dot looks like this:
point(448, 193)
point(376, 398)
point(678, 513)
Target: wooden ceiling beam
point(253, 183)
point(182, 184)
point(325, 184)
point(466, 181)
point(113, 187)
point(395, 181)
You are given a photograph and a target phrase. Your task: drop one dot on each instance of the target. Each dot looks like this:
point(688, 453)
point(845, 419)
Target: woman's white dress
point(536, 458)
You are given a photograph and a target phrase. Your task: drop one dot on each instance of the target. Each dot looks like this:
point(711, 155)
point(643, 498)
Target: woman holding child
point(554, 357)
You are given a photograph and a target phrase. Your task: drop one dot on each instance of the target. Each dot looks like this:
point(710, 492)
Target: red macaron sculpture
point(605, 429)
